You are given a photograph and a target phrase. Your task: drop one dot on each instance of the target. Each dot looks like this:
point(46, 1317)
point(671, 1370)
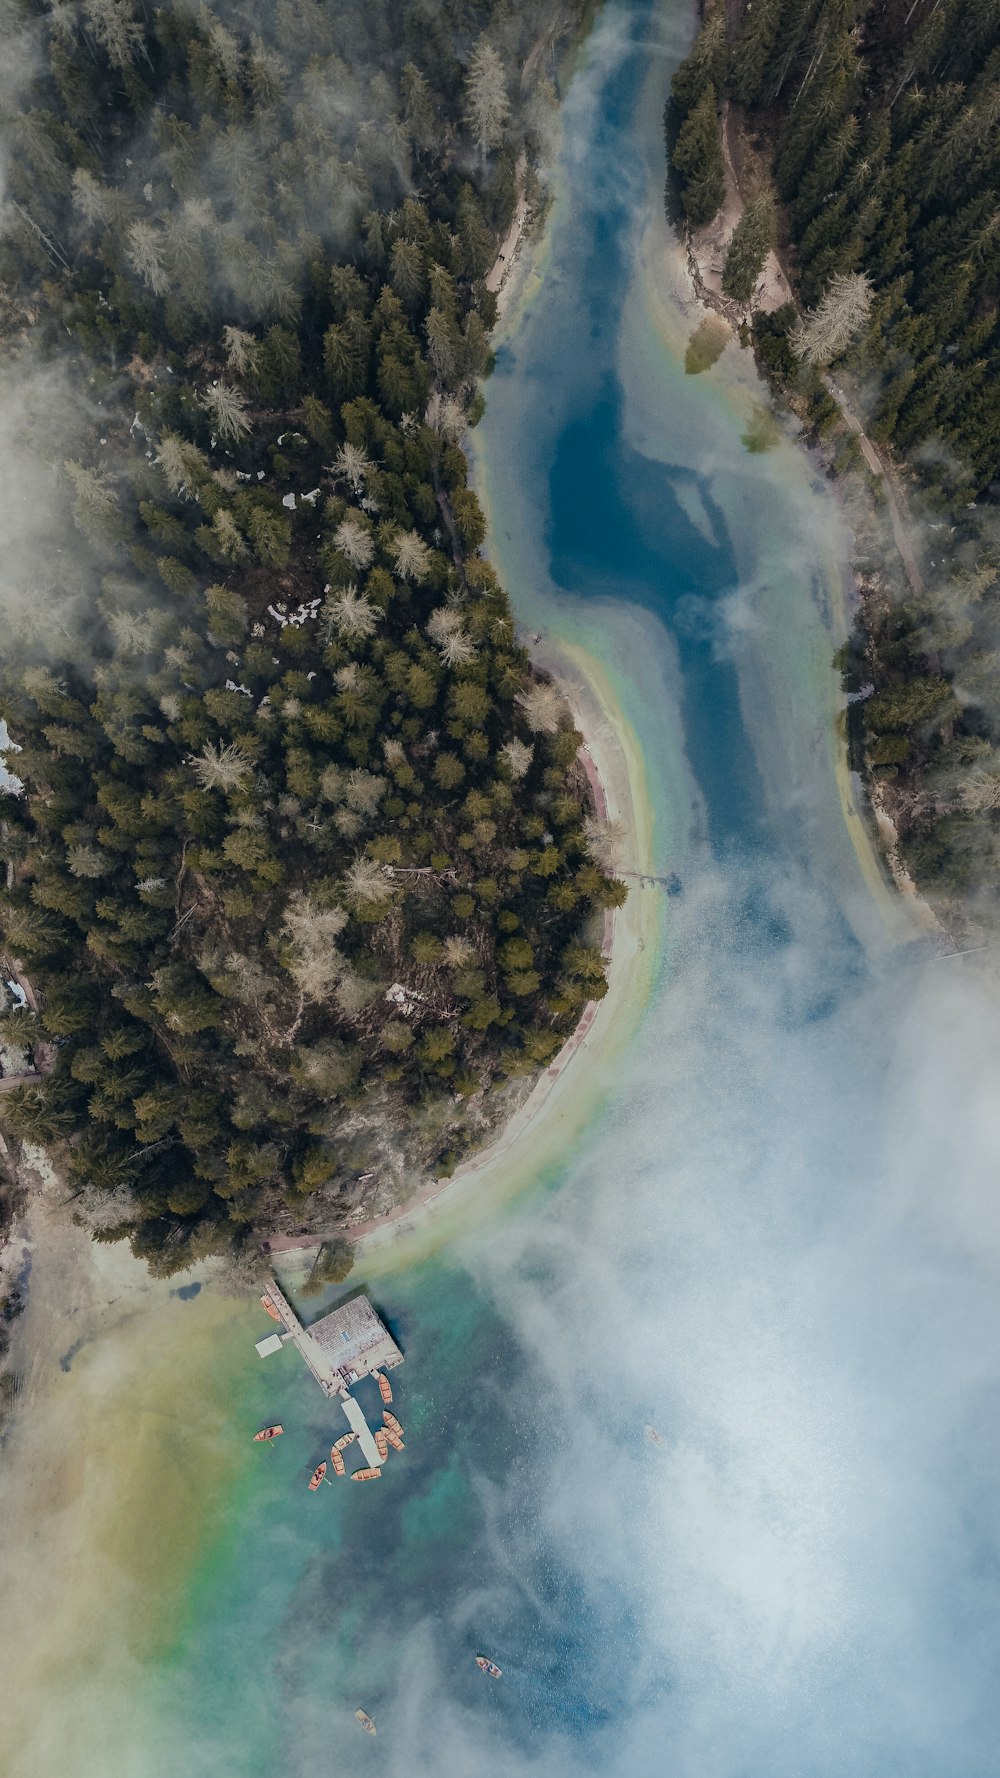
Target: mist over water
point(778, 1244)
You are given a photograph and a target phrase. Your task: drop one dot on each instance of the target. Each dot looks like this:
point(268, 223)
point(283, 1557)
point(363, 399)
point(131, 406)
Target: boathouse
point(341, 1348)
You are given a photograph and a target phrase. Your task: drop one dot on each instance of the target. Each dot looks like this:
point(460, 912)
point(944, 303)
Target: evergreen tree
point(698, 159)
point(752, 240)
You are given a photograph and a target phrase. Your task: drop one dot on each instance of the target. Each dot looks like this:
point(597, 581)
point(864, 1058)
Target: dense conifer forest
point(300, 861)
point(879, 127)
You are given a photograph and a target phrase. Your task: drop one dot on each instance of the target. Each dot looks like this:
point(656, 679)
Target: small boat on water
point(266, 1433)
point(489, 1667)
point(654, 1437)
point(384, 1387)
point(267, 1304)
point(382, 1444)
point(366, 1475)
point(347, 1439)
point(391, 1438)
point(339, 1467)
point(365, 1721)
point(392, 1423)
point(316, 1478)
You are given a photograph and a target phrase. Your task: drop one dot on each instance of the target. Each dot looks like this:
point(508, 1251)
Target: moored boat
point(266, 1433)
point(489, 1667)
point(393, 1439)
point(366, 1475)
point(365, 1721)
point(267, 1304)
point(392, 1423)
point(316, 1478)
point(347, 1439)
point(382, 1444)
point(339, 1467)
point(385, 1387)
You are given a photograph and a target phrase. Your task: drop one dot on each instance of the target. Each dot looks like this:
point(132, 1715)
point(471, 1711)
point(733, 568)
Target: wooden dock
point(313, 1355)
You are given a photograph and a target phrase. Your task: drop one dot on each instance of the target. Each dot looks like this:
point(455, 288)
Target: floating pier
point(363, 1430)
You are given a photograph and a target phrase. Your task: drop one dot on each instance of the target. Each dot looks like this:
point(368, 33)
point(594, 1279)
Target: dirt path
point(880, 468)
point(496, 277)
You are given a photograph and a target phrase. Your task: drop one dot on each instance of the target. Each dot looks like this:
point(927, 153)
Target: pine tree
point(752, 240)
point(698, 159)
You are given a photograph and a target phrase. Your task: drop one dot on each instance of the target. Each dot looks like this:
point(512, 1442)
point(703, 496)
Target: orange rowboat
point(382, 1444)
point(385, 1388)
point(366, 1475)
point(338, 1462)
point(391, 1438)
point(267, 1304)
point(316, 1478)
point(348, 1439)
point(392, 1423)
point(268, 1432)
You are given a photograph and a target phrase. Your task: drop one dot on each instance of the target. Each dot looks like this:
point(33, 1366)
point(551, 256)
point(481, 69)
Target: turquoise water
point(777, 1241)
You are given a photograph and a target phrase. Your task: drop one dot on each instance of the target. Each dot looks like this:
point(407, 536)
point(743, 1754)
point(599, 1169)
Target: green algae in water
point(763, 432)
point(706, 345)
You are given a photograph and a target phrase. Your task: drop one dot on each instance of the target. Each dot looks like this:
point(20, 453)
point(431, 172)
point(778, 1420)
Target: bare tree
point(365, 790)
point(227, 409)
point(412, 556)
point(351, 464)
point(828, 330)
point(980, 792)
point(145, 251)
point(349, 614)
point(225, 767)
point(312, 932)
point(544, 708)
point(366, 881)
point(487, 106)
point(458, 951)
point(447, 631)
point(241, 350)
point(354, 540)
point(518, 756)
point(603, 840)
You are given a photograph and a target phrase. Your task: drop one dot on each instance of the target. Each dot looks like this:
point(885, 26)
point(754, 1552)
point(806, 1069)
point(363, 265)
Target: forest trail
point(497, 275)
point(881, 469)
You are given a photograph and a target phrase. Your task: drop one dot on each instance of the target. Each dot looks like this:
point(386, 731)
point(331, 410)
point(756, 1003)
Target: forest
point(302, 871)
point(879, 129)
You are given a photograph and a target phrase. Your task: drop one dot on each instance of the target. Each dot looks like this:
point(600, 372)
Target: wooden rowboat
point(266, 1433)
point(385, 1388)
point(316, 1478)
